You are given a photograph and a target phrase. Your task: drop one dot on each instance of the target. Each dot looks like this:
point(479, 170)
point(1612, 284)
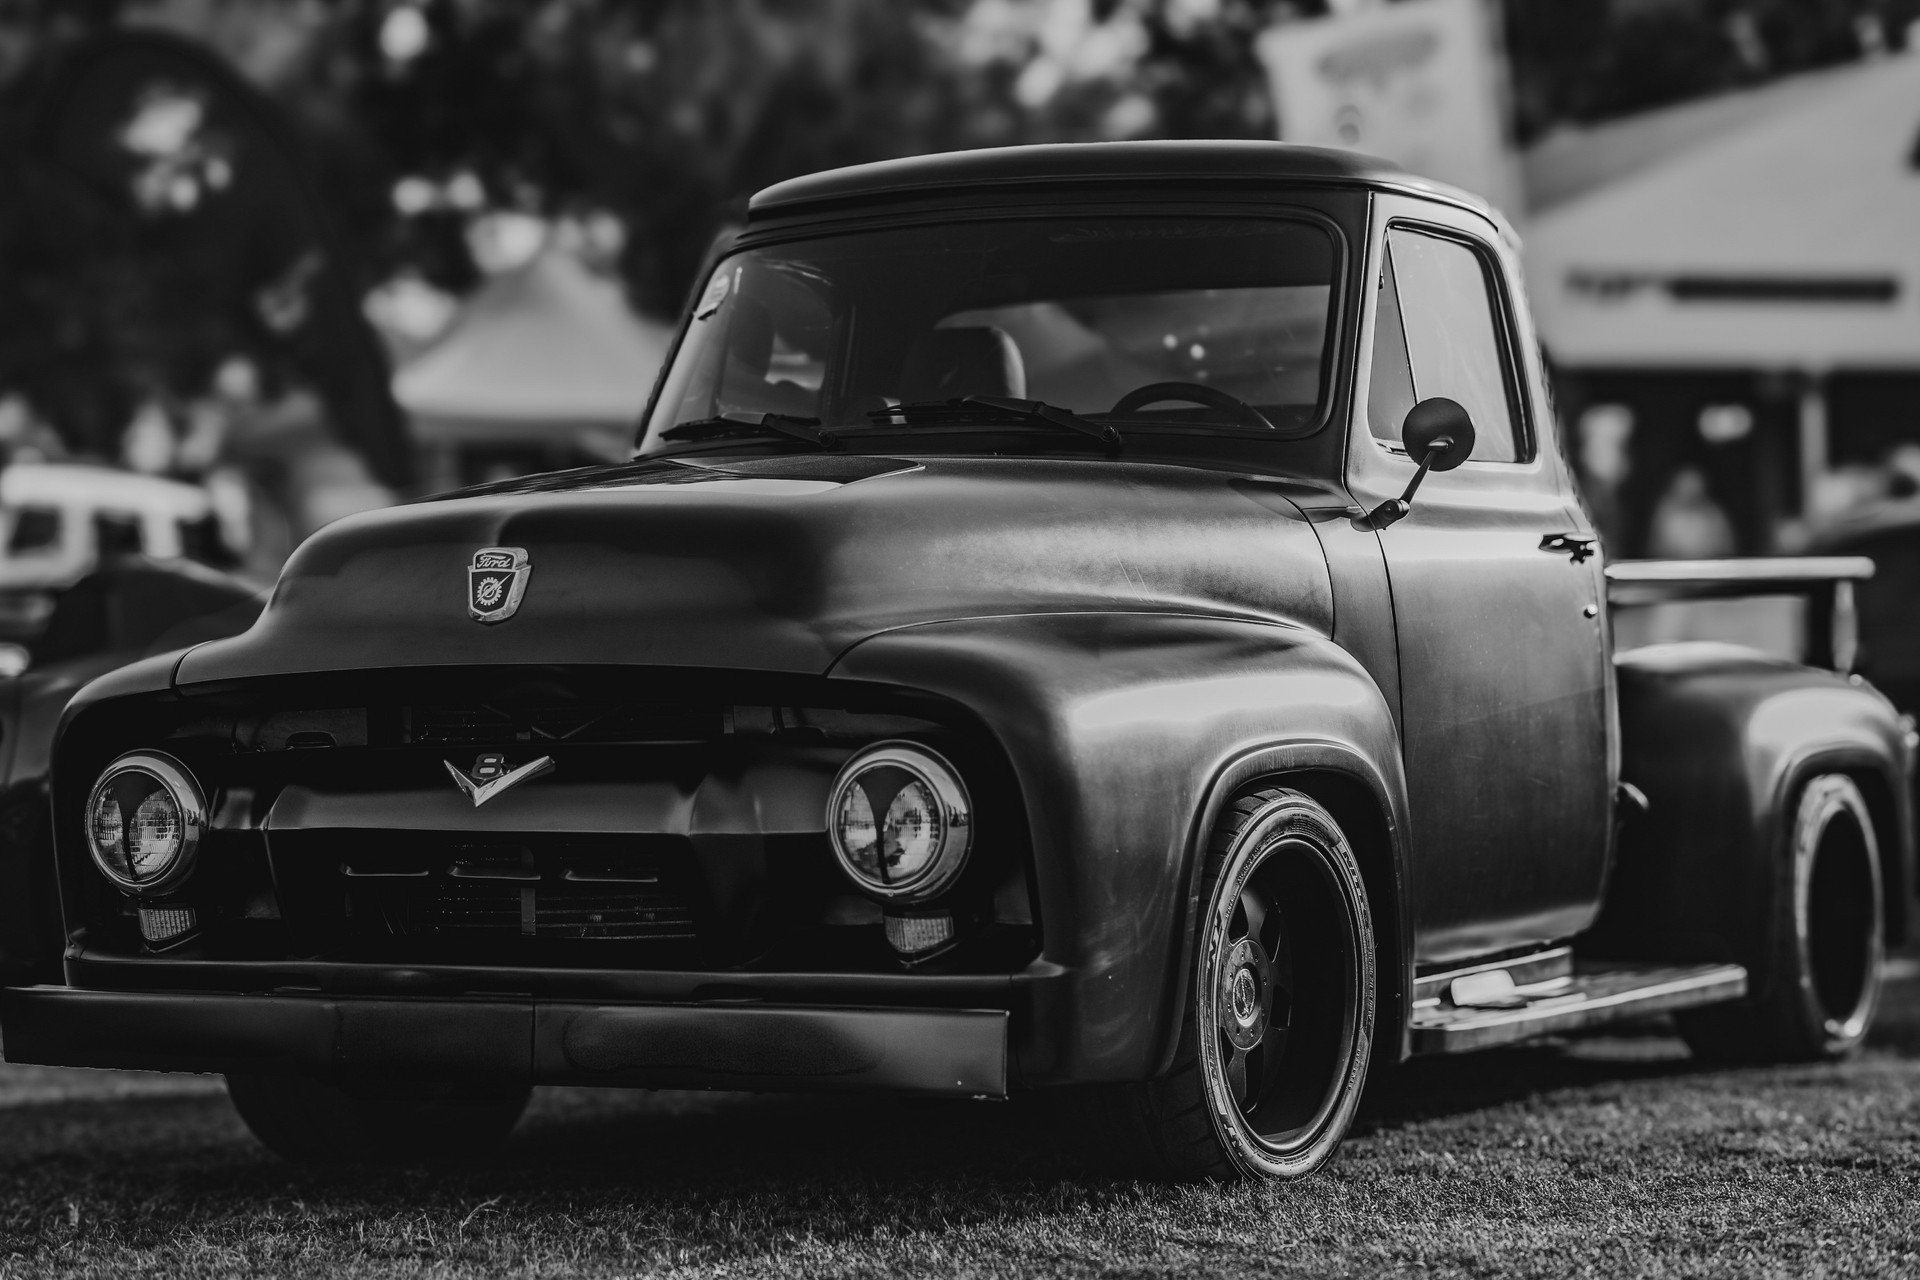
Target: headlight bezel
point(179, 783)
point(939, 776)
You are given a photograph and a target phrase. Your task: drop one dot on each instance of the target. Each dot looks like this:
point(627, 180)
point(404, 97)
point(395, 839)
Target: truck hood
point(778, 564)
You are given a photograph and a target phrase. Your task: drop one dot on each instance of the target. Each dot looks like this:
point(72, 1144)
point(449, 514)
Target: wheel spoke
point(1253, 906)
point(1237, 1073)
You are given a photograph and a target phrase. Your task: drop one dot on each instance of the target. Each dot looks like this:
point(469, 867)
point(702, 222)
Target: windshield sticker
point(715, 295)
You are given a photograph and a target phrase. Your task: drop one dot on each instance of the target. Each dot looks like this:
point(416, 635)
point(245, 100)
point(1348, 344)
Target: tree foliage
point(654, 119)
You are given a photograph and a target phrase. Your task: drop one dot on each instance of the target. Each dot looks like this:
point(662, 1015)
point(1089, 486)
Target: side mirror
point(1440, 434)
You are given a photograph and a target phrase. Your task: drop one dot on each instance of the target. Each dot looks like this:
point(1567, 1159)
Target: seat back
point(976, 360)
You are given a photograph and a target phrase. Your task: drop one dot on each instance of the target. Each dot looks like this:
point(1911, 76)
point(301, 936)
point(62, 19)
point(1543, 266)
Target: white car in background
point(61, 521)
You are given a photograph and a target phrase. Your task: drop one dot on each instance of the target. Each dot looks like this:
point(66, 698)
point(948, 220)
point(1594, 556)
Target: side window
point(117, 533)
point(1390, 392)
point(35, 529)
point(1436, 335)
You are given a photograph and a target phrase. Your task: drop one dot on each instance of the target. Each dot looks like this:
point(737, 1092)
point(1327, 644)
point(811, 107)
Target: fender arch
point(1369, 802)
point(1128, 733)
point(1722, 740)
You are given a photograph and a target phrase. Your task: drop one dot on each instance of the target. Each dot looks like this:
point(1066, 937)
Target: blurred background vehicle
point(60, 522)
point(128, 608)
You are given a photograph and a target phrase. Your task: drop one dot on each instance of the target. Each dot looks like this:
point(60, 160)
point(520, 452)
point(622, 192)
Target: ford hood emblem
point(496, 582)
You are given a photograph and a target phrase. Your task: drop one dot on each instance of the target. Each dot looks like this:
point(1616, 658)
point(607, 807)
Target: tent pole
point(1813, 443)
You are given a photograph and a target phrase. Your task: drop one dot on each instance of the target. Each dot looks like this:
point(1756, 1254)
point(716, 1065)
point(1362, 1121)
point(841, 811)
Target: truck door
point(1495, 583)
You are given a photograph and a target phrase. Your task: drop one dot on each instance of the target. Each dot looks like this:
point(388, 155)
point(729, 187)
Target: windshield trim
point(1339, 312)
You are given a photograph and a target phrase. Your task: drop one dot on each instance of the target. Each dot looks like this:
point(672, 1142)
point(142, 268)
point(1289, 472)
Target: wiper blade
point(774, 424)
point(1034, 411)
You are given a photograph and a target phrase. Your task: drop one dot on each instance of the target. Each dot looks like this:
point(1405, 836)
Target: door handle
point(1577, 545)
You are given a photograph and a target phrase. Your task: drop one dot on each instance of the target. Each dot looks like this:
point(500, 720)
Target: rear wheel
point(1274, 1046)
point(1828, 931)
point(312, 1121)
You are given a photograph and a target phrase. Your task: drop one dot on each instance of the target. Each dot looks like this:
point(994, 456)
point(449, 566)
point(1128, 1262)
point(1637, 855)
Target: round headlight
point(145, 818)
point(900, 821)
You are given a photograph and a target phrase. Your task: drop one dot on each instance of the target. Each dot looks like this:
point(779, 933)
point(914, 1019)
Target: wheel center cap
point(1245, 994)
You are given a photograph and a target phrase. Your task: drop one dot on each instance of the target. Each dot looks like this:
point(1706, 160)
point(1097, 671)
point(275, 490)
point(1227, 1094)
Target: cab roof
point(1053, 165)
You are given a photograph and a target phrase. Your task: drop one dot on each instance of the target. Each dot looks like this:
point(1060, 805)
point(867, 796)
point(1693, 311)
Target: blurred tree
point(1578, 61)
point(658, 116)
point(158, 222)
point(646, 124)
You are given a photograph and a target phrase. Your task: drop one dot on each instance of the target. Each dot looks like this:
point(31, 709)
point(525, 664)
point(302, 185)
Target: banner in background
point(1418, 83)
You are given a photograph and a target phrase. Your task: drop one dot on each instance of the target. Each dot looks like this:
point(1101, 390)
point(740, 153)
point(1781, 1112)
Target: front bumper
point(950, 1052)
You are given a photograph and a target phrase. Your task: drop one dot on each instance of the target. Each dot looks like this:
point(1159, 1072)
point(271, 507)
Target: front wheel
point(310, 1121)
point(1274, 1046)
point(1828, 930)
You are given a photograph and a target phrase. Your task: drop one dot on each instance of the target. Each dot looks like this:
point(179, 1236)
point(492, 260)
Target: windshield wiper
point(784, 425)
point(1038, 412)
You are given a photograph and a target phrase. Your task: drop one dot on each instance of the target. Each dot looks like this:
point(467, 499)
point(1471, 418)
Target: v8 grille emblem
point(491, 776)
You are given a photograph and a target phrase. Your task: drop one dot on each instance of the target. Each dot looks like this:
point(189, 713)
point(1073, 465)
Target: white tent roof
point(1692, 261)
point(1574, 160)
point(546, 344)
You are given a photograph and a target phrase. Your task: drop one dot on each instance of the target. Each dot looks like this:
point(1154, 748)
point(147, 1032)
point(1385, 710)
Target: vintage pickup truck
point(1113, 619)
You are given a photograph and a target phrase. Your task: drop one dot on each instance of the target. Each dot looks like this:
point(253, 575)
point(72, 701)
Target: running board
point(1489, 1008)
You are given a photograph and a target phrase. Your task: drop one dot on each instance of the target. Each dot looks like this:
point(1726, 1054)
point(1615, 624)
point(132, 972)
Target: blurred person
point(1903, 472)
point(1687, 523)
point(148, 445)
point(25, 436)
point(1605, 433)
point(281, 469)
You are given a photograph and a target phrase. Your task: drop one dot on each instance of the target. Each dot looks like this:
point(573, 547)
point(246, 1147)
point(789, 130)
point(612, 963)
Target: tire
point(310, 1121)
point(1828, 942)
point(1275, 1042)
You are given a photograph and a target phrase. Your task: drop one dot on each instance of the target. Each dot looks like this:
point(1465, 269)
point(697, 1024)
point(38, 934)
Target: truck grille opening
point(679, 829)
point(457, 887)
point(570, 913)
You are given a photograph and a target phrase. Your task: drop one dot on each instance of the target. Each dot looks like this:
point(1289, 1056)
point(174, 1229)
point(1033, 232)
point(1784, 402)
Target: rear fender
point(1128, 734)
point(1722, 740)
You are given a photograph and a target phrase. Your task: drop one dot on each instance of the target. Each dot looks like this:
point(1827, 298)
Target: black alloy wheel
point(1278, 1031)
point(1828, 926)
point(1286, 974)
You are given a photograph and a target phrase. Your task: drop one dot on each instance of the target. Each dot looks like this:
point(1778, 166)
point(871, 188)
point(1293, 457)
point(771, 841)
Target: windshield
point(1150, 323)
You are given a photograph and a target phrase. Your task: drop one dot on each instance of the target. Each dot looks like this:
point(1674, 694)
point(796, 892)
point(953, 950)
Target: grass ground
point(1609, 1157)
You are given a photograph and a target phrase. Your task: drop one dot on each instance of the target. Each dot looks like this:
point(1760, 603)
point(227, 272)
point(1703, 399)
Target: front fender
point(1722, 740)
point(1128, 733)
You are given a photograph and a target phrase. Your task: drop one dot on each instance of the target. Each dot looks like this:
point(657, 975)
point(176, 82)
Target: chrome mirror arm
point(1394, 510)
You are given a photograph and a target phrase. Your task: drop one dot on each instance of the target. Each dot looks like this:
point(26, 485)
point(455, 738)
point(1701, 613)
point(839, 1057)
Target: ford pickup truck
point(1114, 620)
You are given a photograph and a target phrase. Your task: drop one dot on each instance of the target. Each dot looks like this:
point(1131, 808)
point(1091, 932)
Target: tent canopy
point(546, 345)
point(1791, 243)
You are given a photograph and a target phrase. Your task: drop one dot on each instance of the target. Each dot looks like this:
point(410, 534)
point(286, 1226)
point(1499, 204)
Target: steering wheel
point(1193, 393)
